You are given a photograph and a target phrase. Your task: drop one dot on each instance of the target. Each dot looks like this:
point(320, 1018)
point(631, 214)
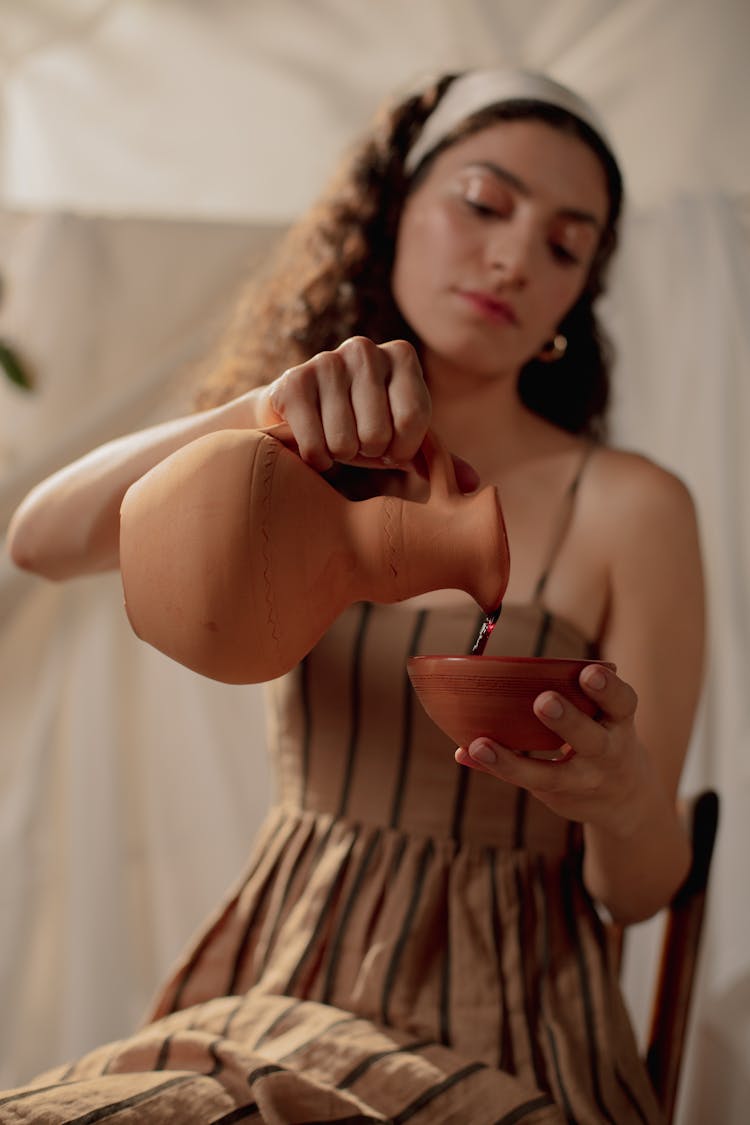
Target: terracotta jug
point(236, 556)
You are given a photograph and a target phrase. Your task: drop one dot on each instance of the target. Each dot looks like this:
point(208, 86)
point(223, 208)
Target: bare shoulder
point(627, 490)
point(639, 524)
point(642, 529)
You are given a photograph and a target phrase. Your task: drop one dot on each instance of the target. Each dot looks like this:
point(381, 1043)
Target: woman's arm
point(655, 634)
point(69, 524)
point(621, 784)
point(359, 400)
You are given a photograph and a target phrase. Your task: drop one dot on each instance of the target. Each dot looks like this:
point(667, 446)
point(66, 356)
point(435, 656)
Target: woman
point(414, 941)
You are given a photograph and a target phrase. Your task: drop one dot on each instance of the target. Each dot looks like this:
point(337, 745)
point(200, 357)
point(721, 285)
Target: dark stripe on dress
point(228, 1021)
point(403, 937)
point(218, 1063)
point(521, 1111)
point(356, 681)
point(522, 796)
point(335, 944)
point(464, 777)
point(464, 774)
point(459, 804)
point(398, 855)
point(129, 1103)
point(506, 1062)
point(519, 818)
point(563, 524)
point(433, 1092)
point(288, 885)
point(463, 781)
point(240, 1114)
point(112, 1059)
point(353, 1119)
point(263, 1072)
point(279, 1019)
point(161, 1061)
point(545, 969)
point(445, 990)
point(241, 951)
point(304, 692)
point(351, 1018)
point(569, 911)
point(530, 1002)
point(21, 1095)
point(406, 727)
point(541, 638)
point(365, 1064)
point(596, 926)
point(631, 1097)
point(208, 937)
point(323, 917)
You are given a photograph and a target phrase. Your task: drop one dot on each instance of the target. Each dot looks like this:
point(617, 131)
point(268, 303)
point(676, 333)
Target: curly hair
point(331, 276)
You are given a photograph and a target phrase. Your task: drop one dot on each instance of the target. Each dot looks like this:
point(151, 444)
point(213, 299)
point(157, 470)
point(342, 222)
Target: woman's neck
point(474, 416)
point(483, 420)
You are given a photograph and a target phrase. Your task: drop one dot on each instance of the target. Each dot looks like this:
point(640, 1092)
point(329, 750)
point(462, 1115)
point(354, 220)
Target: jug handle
point(282, 431)
point(441, 470)
point(438, 461)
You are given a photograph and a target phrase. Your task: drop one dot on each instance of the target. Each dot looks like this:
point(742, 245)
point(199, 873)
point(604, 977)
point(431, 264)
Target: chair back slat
point(679, 957)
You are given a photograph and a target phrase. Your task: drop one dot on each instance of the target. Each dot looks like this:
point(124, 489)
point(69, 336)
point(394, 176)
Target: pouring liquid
point(485, 630)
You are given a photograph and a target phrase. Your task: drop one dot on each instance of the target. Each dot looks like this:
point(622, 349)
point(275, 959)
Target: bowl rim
point(472, 658)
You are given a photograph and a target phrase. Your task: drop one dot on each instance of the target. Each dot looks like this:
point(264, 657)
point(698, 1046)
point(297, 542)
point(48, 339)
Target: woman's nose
point(511, 253)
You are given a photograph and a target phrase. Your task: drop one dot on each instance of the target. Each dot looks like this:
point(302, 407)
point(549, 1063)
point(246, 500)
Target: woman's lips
point(492, 307)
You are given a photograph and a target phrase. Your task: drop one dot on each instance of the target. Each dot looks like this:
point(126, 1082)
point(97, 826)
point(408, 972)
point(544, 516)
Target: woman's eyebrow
point(510, 178)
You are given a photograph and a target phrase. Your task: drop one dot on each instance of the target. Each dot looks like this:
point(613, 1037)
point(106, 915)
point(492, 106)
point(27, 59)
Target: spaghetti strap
point(563, 523)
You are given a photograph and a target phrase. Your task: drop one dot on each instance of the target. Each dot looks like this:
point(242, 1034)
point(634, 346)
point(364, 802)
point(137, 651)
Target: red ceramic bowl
point(471, 696)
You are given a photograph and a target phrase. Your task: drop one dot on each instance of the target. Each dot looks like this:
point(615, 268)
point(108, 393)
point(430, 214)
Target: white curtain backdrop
point(149, 154)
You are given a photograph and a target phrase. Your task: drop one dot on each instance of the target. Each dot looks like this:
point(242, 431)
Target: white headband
point(479, 89)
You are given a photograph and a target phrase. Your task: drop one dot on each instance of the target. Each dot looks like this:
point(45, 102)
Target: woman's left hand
point(601, 777)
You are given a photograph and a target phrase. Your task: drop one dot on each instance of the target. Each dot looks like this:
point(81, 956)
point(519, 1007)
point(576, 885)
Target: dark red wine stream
point(483, 635)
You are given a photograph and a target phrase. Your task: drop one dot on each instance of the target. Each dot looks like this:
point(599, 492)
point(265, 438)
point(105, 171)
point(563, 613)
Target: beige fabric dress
point(412, 941)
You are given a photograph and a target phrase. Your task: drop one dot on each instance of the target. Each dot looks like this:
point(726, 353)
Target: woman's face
point(495, 244)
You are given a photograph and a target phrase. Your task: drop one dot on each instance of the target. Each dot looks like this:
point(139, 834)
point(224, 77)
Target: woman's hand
point(636, 852)
point(361, 403)
point(602, 778)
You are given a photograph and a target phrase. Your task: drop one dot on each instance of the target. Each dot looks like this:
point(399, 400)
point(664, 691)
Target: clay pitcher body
point(236, 556)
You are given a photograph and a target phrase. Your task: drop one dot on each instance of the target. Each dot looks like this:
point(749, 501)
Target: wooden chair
point(679, 955)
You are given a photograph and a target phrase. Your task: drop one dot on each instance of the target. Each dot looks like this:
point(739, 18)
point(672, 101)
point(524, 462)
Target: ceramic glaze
point(236, 556)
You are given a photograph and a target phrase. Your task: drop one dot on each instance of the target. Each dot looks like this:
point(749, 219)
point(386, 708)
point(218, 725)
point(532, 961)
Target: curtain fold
point(677, 311)
point(108, 752)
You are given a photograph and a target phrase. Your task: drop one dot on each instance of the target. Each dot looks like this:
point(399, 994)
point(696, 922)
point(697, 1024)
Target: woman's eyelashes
point(483, 209)
point(486, 197)
point(563, 254)
point(486, 209)
point(572, 242)
point(492, 201)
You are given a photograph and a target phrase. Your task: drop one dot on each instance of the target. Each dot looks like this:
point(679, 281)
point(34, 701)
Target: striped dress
point(411, 941)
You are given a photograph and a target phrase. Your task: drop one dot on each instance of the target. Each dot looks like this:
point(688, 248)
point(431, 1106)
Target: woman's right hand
point(362, 403)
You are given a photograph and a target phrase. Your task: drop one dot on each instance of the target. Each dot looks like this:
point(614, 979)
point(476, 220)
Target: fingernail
point(552, 708)
point(595, 678)
point(483, 752)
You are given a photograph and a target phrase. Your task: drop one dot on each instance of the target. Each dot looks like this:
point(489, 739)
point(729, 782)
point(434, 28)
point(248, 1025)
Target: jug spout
point(465, 548)
point(448, 542)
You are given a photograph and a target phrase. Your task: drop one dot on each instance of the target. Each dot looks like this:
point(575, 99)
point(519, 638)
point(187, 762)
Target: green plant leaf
point(13, 367)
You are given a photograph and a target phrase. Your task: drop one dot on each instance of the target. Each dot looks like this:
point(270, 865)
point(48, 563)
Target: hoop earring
point(554, 349)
